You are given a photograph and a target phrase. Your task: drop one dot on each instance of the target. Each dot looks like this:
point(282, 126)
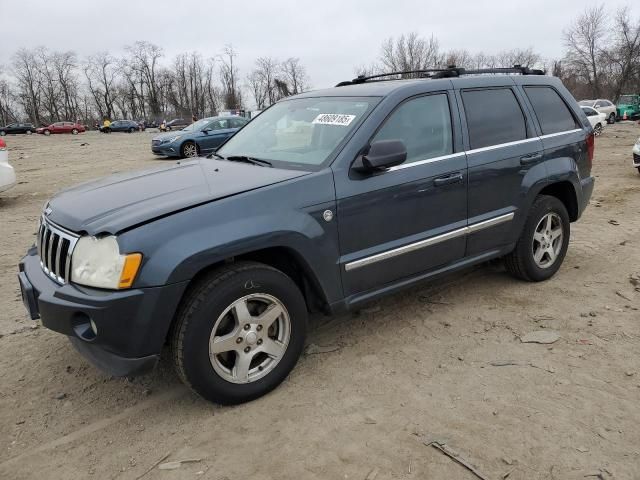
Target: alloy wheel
point(547, 240)
point(249, 338)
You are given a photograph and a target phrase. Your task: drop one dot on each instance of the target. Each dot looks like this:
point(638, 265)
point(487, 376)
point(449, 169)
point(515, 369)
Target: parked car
point(629, 106)
point(178, 124)
point(199, 138)
point(325, 201)
point(602, 106)
point(596, 119)
point(636, 155)
point(7, 173)
point(16, 128)
point(127, 126)
point(61, 127)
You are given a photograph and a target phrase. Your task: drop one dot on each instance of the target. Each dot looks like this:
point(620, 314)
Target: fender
point(178, 247)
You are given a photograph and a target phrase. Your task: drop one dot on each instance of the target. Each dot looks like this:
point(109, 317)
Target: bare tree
point(584, 41)
point(294, 75)
point(29, 82)
point(229, 76)
point(410, 52)
point(143, 59)
point(625, 54)
point(100, 72)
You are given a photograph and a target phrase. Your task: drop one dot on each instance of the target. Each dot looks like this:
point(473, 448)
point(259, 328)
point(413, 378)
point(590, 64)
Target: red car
point(61, 127)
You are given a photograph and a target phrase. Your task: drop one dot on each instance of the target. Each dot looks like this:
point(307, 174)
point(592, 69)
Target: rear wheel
point(597, 130)
point(28, 132)
point(2, 133)
point(239, 332)
point(47, 132)
point(131, 130)
point(74, 131)
point(612, 118)
point(189, 149)
point(541, 248)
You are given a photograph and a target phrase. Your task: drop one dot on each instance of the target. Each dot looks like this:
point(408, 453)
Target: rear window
point(553, 114)
point(493, 116)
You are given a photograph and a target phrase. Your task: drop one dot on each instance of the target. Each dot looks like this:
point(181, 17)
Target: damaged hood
point(118, 202)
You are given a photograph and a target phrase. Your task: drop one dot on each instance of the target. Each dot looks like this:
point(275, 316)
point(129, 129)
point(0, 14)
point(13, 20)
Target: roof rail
point(450, 71)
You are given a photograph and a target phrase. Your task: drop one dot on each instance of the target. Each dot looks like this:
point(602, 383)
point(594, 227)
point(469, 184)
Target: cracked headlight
point(97, 262)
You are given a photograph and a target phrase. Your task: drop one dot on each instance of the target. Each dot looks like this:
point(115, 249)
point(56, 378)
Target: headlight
point(97, 262)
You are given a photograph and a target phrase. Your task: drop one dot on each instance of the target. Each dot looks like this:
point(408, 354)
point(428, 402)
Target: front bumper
point(165, 149)
point(131, 324)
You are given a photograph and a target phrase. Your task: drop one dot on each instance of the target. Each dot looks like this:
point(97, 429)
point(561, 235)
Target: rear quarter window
point(493, 117)
point(552, 112)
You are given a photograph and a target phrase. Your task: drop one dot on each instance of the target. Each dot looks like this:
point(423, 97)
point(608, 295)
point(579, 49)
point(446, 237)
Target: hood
point(118, 202)
point(170, 134)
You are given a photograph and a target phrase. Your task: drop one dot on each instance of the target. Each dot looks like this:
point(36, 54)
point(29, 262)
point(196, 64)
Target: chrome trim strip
point(425, 161)
point(468, 230)
point(502, 145)
point(558, 134)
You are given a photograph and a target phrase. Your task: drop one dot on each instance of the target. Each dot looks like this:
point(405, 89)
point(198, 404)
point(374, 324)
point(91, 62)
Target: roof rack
point(449, 72)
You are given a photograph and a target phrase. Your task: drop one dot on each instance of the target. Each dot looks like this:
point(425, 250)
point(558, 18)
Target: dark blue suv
point(324, 202)
point(199, 138)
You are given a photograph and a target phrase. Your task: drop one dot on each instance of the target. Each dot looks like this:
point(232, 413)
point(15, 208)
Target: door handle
point(532, 158)
point(449, 179)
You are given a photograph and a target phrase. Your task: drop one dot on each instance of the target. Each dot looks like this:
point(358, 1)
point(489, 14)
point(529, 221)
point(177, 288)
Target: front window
point(301, 132)
point(628, 99)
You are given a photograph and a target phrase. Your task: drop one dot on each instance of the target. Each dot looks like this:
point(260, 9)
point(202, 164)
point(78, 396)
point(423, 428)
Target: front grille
point(55, 246)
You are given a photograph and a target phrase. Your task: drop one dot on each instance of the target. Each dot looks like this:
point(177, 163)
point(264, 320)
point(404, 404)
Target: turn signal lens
point(130, 269)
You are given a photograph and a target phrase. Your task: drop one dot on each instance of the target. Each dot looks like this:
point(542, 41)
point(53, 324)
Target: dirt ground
point(440, 362)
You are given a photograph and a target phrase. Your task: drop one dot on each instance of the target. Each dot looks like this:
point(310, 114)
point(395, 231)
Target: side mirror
point(381, 154)
point(206, 130)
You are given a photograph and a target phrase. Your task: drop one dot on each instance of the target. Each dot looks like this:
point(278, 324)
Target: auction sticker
point(334, 119)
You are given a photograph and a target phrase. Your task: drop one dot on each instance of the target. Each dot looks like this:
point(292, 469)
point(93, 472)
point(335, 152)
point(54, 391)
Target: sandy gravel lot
point(443, 361)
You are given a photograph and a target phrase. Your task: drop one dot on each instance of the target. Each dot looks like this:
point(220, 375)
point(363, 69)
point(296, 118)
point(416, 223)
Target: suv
point(14, 128)
point(325, 201)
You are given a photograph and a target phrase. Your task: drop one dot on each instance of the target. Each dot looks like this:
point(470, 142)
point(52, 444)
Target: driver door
point(212, 139)
point(411, 218)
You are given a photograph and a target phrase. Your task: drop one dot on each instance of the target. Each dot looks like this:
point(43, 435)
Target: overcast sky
point(331, 37)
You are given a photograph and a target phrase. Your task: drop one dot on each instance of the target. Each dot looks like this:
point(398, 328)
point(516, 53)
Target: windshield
point(628, 99)
point(299, 132)
point(196, 126)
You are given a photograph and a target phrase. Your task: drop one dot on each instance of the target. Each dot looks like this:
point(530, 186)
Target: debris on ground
point(372, 474)
point(177, 463)
point(614, 222)
point(60, 396)
point(541, 336)
point(456, 457)
point(313, 349)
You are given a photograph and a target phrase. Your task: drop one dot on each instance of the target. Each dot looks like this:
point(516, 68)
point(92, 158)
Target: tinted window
point(589, 111)
point(553, 114)
point(493, 116)
point(237, 122)
point(600, 104)
point(423, 124)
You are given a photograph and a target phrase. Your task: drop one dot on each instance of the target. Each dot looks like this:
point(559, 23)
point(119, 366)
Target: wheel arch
point(565, 192)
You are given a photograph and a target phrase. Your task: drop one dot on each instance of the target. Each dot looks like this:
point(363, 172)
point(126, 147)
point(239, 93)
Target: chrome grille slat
point(55, 247)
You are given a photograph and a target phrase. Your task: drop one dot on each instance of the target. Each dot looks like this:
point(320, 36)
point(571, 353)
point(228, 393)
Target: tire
point(205, 309)
point(74, 131)
point(597, 130)
point(612, 118)
point(131, 130)
point(521, 261)
point(28, 132)
point(47, 132)
point(2, 133)
point(189, 149)
point(638, 169)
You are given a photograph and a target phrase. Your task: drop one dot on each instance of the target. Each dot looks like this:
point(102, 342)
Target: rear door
point(502, 147)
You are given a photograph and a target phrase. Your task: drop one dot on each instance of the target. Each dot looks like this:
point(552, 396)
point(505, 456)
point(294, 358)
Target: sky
point(331, 37)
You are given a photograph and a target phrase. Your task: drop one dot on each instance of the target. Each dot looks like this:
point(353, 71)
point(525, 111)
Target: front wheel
point(74, 131)
point(239, 332)
point(131, 130)
point(189, 149)
point(47, 132)
point(2, 133)
point(543, 244)
point(29, 132)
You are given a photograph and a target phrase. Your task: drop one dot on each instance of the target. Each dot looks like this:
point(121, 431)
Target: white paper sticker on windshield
point(334, 119)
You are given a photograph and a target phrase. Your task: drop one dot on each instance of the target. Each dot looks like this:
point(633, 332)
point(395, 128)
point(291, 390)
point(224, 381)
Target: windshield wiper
point(214, 154)
point(252, 160)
